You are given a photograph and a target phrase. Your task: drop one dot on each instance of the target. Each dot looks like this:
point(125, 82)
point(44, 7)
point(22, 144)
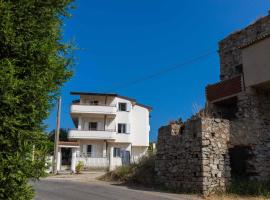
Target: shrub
point(249, 187)
point(34, 64)
point(79, 167)
point(142, 172)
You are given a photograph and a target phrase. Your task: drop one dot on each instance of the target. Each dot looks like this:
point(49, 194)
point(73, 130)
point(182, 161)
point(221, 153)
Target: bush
point(34, 65)
point(79, 167)
point(141, 173)
point(249, 187)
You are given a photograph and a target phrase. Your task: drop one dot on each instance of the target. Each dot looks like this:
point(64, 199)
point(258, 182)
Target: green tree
point(63, 136)
point(34, 64)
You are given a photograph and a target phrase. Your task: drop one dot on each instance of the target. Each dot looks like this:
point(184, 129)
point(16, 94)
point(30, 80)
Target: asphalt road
point(69, 190)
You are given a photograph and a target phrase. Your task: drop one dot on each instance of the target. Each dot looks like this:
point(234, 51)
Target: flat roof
point(112, 95)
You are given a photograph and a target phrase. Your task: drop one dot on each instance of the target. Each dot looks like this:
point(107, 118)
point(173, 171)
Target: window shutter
point(127, 128)
point(99, 126)
point(128, 107)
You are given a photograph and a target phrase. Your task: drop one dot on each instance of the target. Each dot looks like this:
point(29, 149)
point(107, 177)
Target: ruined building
point(231, 137)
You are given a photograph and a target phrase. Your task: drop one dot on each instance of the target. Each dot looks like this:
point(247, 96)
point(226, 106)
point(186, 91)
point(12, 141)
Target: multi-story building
point(110, 130)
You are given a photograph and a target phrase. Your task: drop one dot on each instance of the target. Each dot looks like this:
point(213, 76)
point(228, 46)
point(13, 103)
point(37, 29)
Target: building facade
point(110, 130)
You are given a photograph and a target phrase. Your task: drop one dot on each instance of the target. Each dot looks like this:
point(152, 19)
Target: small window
point(122, 107)
point(122, 128)
point(89, 150)
point(93, 102)
point(93, 126)
point(239, 69)
point(116, 152)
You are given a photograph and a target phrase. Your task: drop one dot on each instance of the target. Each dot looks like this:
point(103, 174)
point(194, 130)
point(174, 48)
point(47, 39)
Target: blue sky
point(125, 40)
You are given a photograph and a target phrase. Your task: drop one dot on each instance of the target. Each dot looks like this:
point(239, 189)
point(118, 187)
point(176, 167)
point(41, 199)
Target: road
point(50, 189)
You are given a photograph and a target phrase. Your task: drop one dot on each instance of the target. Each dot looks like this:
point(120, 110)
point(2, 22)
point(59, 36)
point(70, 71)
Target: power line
point(165, 70)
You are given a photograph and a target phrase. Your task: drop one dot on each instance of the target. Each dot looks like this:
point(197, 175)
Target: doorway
point(66, 158)
point(241, 162)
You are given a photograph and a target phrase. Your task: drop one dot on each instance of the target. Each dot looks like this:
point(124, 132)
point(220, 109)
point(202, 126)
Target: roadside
point(86, 186)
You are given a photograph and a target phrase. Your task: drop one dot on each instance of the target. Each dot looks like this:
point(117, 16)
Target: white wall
point(97, 147)
point(256, 63)
point(137, 153)
point(85, 99)
point(136, 118)
point(110, 123)
point(140, 126)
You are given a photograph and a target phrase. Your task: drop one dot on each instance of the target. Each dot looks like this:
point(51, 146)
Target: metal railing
point(99, 129)
point(89, 104)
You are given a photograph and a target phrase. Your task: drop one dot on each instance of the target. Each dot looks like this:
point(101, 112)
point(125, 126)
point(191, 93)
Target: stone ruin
point(230, 138)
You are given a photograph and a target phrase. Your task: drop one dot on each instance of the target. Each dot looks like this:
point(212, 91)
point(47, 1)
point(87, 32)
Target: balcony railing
point(89, 104)
point(224, 89)
point(99, 134)
point(95, 109)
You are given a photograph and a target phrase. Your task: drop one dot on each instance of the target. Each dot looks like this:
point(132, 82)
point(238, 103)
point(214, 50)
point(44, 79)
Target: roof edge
point(112, 95)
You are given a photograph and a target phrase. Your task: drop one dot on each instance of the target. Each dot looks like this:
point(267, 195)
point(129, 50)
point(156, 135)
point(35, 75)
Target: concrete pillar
point(80, 123)
point(59, 158)
point(73, 160)
point(130, 152)
point(104, 149)
point(111, 167)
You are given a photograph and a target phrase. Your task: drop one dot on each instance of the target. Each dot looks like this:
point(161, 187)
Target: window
point(116, 152)
point(93, 102)
point(93, 126)
point(239, 69)
point(89, 150)
point(122, 106)
point(122, 128)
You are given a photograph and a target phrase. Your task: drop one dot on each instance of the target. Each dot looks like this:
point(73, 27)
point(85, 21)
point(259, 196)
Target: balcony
point(224, 90)
point(79, 108)
point(105, 134)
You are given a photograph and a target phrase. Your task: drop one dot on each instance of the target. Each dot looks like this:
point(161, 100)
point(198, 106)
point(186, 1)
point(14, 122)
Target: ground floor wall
point(138, 152)
point(193, 156)
point(107, 154)
point(250, 130)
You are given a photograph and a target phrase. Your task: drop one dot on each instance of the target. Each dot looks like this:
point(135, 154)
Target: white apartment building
point(110, 130)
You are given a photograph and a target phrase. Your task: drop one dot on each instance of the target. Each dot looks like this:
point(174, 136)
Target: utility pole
point(56, 136)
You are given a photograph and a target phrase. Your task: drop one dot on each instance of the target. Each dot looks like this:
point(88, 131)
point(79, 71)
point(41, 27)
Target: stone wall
point(194, 158)
point(251, 125)
point(251, 128)
point(230, 54)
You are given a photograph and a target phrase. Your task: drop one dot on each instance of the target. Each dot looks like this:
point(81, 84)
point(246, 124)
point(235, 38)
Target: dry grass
point(234, 197)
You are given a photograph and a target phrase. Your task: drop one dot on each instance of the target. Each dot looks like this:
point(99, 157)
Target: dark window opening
point(240, 162)
point(89, 150)
point(239, 69)
point(227, 109)
point(122, 128)
point(122, 106)
point(93, 102)
point(116, 152)
point(93, 126)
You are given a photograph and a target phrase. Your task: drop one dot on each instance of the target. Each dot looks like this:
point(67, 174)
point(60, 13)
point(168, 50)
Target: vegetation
point(140, 173)
point(79, 167)
point(34, 64)
point(249, 188)
point(143, 173)
point(63, 136)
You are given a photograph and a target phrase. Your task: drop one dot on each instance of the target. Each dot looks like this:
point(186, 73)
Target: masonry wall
point(251, 125)
point(251, 128)
point(194, 159)
point(229, 51)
